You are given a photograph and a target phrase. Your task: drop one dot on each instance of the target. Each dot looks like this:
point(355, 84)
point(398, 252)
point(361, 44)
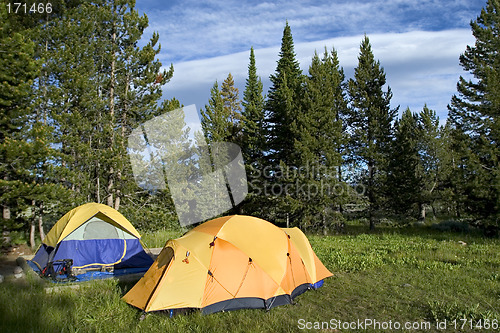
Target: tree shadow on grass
point(422, 231)
point(28, 308)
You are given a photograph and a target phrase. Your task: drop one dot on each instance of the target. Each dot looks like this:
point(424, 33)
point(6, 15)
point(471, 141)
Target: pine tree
point(418, 167)
point(101, 86)
point(253, 138)
point(319, 140)
point(253, 142)
point(433, 158)
point(215, 119)
point(18, 69)
point(221, 118)
point(122, 28)
point(371, 125)
point(282, 108)
point(475, 120)
point(134, 106)
point(94, 87)
point(453, 188)
point(27, 171)
point(405, 168)
point(283, 102)
point(232, 107)
point(221, 121)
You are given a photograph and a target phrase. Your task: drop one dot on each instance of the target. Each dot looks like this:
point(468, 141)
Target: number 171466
point(24, 8)
point(481, 324)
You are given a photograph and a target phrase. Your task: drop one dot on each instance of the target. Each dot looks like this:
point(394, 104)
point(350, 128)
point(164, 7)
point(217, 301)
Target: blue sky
point(417, 42)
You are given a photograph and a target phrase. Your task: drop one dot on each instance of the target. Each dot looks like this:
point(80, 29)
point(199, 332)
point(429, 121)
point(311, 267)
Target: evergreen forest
point(320, 149)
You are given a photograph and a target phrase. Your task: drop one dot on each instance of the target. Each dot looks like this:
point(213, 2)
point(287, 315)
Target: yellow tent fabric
point(229, 263)
point(311, 261)
point(79, 215)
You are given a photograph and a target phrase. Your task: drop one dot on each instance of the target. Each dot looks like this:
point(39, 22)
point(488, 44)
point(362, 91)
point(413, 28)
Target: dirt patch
point(9, 255)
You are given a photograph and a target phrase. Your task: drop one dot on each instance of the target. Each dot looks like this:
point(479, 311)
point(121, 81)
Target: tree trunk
point(371, 197)
point(44, 75)
point(36, 219)
point(371, 218)
point(40, 222)
point(111, 176)
point(32, 233)
point(287, 221)
point(33, 218)
point(123, 138)
point(117, 202)
point(325, 228)
point(110, 187)
point(339, 151)
point(422, 212)
point(98, 193)
point(5, 208)
point(6, 212)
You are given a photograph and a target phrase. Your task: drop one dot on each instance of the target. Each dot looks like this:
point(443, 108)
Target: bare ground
point(8, 258)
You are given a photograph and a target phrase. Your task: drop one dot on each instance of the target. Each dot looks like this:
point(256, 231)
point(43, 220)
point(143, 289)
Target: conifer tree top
point(287, 63)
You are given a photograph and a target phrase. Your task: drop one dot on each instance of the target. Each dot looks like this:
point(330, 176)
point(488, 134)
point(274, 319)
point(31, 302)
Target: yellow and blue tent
point(230, 263)
point(95, 237)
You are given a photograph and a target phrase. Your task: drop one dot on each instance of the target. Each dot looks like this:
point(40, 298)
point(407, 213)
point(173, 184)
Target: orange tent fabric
point(229, 263)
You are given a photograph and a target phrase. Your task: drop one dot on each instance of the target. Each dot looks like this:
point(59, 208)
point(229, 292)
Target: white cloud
point(193, 29)
point(421, 66)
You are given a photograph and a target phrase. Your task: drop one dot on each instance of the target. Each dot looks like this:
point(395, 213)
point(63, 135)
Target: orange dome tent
point(229, 263)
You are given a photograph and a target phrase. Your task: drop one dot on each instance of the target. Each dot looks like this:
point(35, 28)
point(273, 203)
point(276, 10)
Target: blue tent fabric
point(91, 253)
point(135, 256)
point(318, 284)
point(94, 275)
point(95, 253)
point(41, 258)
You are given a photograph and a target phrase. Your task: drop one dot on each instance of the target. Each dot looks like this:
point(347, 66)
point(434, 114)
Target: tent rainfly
point(230, 263)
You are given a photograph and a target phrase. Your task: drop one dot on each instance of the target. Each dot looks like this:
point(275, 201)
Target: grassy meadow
point(414, 276)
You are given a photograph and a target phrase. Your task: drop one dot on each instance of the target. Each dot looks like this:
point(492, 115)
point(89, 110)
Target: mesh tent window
point(95, 228)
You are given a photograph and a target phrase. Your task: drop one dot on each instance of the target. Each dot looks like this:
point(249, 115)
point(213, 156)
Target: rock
point(462, 243)
point(1, 278)
point(407, 285)
point(18, 272)
point(6, 237)
point(28, 271)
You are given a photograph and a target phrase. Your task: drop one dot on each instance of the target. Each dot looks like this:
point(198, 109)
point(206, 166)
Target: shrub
point(451, 225)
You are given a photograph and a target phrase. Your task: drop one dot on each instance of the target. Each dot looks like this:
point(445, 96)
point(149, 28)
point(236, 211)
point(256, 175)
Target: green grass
point(395, 274)
point(158, 238)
